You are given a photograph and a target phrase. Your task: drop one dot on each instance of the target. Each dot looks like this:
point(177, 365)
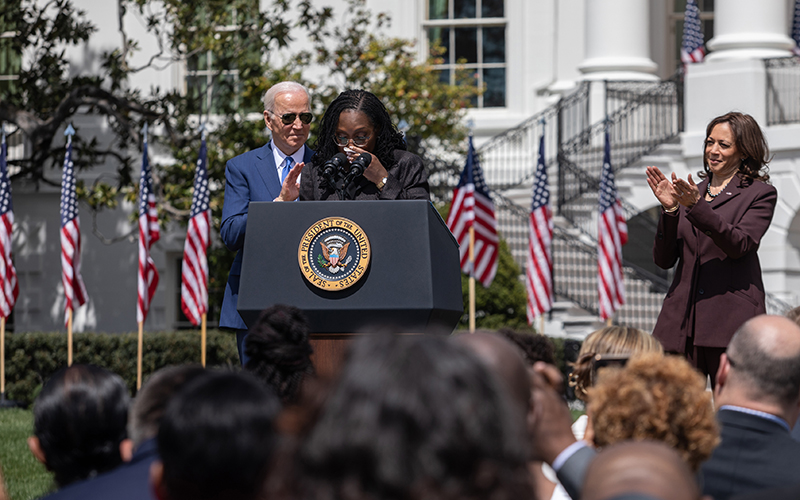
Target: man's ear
point(36, 449)
point(157, 480)
point(126, 450)
point(722, 374)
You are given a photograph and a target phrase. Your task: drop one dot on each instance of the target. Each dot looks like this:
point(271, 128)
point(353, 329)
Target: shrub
point(32, 357)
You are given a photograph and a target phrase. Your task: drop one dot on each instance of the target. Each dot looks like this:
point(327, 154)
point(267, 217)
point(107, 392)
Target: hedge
point(31, 358)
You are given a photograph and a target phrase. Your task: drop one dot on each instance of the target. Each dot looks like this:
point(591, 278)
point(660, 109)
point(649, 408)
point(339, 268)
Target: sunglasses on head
point(288, 118)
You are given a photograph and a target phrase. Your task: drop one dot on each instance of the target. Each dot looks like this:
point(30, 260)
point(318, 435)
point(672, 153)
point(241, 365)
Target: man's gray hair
point(280, 88)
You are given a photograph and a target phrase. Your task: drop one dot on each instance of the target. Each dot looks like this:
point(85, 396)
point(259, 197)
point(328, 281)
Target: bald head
point(764, 359)
point(504, 360)
point(645, 469)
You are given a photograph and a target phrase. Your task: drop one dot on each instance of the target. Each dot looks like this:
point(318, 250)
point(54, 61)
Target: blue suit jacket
point(252, 176)
point(129, 481)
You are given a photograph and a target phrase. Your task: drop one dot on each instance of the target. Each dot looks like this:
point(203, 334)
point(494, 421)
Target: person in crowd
point(504, 360)
point(79, 423)
point(279, 352)
point(639, 470)
point(758, 400)
point(534, 347)
point(357, 123)
point(415, 417)
point(654, 398)
point(712, 230)
point(131, 480)
point(268, 173)
point(613, 340)
point(794, 315)
point(216, 440)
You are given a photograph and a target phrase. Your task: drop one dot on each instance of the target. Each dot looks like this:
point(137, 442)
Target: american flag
point(692, 48)
point(74, 290)
point(612, 233)
point(472, 207)
point(148, 234)
point(194, 273)
point(8, 277)
point(796, 28)
point(539, 266)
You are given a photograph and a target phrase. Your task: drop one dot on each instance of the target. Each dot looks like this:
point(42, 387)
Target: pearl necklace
point(708, 188)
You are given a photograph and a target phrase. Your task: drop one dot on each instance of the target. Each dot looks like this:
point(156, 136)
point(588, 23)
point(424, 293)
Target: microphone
point(333, 166)
point(359, 165)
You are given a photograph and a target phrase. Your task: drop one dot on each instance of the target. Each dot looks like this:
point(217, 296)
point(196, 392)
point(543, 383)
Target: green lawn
point(25, 477)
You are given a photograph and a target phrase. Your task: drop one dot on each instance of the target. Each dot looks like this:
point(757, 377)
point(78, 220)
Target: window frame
point(479, 66)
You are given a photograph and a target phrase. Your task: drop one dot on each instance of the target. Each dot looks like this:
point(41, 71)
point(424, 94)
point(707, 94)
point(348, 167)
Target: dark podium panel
point(413, 281)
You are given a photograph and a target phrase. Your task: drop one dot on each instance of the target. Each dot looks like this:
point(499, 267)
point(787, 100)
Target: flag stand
point(4, 403)
point(203, 340)
point(69, 337)
point(139, 358)
point(472, 279)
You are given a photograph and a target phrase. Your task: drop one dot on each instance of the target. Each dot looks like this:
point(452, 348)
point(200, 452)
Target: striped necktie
point(287, 165)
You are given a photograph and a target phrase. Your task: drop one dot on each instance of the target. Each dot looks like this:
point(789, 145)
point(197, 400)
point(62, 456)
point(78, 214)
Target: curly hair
point(608, 340)
point(388, 138)
point(279, 350)
point(416, 417)
point(749, 140)
point(658, 398)
point(534, 347)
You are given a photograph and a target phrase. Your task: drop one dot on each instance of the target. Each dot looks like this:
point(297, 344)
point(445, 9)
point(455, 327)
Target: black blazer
point(754, 454)
point(406, 181)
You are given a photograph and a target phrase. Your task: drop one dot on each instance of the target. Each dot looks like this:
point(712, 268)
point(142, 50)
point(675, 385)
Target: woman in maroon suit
point(713, 230)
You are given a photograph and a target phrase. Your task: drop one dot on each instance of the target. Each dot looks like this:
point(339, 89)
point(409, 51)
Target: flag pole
point(472, 279)
point(139, 358)
point(3, 357)
point(69, 337)
point(203, 340)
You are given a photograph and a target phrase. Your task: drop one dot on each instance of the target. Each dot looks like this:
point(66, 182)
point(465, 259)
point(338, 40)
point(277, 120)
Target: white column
point(617, 41)
point(750, 29)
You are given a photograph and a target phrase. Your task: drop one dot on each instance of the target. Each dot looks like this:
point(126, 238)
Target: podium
point(294, 255)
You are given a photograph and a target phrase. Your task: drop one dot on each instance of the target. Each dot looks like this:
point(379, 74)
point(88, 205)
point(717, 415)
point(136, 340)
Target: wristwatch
point(381, 183)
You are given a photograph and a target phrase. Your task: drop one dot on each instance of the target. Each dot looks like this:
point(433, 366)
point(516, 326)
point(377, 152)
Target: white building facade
point(538, 59)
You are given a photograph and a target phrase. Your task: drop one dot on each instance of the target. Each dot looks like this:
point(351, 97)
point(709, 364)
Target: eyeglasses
point(288, 118)
point(359, 140)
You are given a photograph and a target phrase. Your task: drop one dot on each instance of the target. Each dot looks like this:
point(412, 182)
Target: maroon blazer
point(717, 284)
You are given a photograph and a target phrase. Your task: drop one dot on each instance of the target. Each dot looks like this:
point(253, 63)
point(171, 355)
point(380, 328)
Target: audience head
point(279, 351)
point(533, 346)
point(79, 422)
point(657, 398)
point(415, 417)
point(504, 360)
point(608, 340)
point(761, 368)
point(216, 439)
point(639, 470)
point(383, 137)
point(148, 407)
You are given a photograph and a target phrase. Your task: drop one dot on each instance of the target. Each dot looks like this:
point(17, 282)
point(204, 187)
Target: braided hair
point(279, 350)
point(388, 138)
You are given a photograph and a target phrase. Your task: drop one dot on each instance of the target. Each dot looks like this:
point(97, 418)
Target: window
point(472, 34)
point(212, 78)
point(9, 59)
point(676, 26)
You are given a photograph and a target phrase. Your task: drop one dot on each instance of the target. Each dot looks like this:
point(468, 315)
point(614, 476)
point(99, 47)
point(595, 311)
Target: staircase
point(641, 117)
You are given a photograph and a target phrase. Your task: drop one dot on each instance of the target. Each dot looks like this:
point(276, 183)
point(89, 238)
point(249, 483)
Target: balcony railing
point(783, 90)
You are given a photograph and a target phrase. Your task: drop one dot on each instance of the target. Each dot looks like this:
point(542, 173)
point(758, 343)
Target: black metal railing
point(783, 90)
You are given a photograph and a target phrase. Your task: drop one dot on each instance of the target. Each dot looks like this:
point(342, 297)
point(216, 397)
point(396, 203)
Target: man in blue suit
point(269, 173)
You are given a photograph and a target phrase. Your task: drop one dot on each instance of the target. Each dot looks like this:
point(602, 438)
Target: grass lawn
point(24, 476)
